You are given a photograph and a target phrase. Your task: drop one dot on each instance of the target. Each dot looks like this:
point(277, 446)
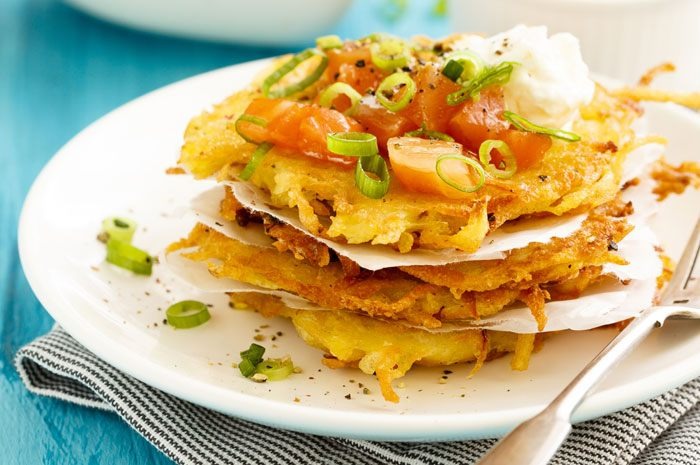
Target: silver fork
point(535, 441)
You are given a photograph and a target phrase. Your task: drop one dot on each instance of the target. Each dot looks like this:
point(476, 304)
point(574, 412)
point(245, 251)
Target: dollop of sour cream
point(551, 82)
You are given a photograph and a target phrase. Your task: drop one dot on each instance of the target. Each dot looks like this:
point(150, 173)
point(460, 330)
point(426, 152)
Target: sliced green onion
point(370, 187)
point(397, 84)
point(254, 353)
point(352, 144)
point(499, 74)
point(328, 42)
point(466, 160)
point(121, 229)
point(287, 68)
point(247, 368)
point(510, 165)
point(187, 314)
point(472, 65)
point(244, 118)
point(428, 134)
point(453, 70)
point(255, 160)
point(525, 125)
point(125, 255)
point(336, 89)
point(389, 54)
point(275, 368)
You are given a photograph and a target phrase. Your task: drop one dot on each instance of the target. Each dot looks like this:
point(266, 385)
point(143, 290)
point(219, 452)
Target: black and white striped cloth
point(664, 430)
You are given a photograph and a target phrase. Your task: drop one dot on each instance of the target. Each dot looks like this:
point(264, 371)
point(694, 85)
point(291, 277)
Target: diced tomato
point(299, 126)
point(527, 147)
point(479, 119)
point(352, 64)
point(383, 123)
point(429, 106)
point(413, 163)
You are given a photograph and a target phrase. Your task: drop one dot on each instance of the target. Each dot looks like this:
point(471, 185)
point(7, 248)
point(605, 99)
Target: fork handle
point(535, 441)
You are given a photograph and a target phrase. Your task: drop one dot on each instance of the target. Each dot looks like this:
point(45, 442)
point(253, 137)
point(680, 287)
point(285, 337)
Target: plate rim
point(305, 418)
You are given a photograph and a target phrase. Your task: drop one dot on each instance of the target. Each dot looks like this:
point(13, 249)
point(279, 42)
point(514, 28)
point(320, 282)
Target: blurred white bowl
point(619, 38)
point(257, 22)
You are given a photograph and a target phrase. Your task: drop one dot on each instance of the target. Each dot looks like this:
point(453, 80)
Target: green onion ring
point(352, 144)
point(187, 314)
point(370, 187)
point(389, 84)
point(499, 74)
point(287, 68)
point(335, 90)
point(329, 42)
point(525, 125)
point(453, 70)
point(275, 369)
point(121, 229)
point(469, 161)
point(428, 134)
point(472, 64)
point(244, 118)
point(255, 160)
point(125, 255)
point(511, 164)
point(389, 54)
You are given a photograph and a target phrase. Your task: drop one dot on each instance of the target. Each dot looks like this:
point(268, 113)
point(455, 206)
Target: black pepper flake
point(491, 217)
point(348, 397)
point(279, 333)
point(336, 76)
point(447, 372)
point(499, 52)
point(612, 245)
point(543, 177)
point(432, 86)
point(360, 63)
point(165, 322)
point(406, 69)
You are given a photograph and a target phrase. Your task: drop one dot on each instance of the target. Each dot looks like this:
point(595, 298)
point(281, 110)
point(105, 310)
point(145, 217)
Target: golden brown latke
point(675, 179)
point(572, 177)
point(390, 349)
point(388, 293)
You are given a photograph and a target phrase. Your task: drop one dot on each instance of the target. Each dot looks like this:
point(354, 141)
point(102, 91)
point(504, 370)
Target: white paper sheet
point(377, 257)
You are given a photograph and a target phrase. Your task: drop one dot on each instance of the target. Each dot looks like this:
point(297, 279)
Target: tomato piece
point(527, 147)
point(478, 120)
point(313, 131)
point(429, 106)
point(383, 123)
point(413, 163)
point(352, 64)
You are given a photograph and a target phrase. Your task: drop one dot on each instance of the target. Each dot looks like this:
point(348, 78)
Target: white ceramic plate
point(117, 166)
point(259, 22)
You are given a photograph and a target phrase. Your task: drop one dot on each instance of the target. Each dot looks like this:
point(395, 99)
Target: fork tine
point(683, 281)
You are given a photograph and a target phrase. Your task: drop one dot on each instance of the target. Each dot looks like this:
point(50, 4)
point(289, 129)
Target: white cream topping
point(551, 82)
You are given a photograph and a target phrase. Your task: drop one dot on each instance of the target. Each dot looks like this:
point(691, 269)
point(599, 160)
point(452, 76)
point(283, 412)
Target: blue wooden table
point(59, 71)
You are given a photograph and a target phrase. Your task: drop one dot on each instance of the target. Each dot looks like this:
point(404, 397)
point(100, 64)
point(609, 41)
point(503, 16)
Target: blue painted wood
point(59, 71)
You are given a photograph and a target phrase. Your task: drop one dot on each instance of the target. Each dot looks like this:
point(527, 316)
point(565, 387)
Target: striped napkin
point(664, 430)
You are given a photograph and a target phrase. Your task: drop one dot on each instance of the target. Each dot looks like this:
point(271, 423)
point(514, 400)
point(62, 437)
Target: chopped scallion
point(471, 66)
point(369, 186)
point(250, 359)
point(525, 125)
point(496, 75)
point(428, 134)
point(288, 67)
point(187, 314)
point(121, 229)
point(125, 255)
point(329, 42)
point(509, 163)
point(337, 89)
point(275, 368)
point(255, 160)
point(245, 118)
point(397, 85)
point(390, 54)
point(467, 161)
point(352, 144)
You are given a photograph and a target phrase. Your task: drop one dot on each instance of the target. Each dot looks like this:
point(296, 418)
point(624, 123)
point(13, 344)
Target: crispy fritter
point(675, 179)
point(388, 349)
point(388, 293)
point(593, 244)
point(571, 177)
